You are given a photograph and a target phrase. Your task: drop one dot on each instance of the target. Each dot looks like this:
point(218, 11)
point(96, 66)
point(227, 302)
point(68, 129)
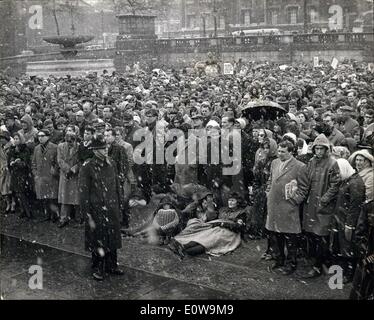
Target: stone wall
point(186, 52)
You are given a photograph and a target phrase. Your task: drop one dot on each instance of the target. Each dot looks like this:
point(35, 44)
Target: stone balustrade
point(248, 43)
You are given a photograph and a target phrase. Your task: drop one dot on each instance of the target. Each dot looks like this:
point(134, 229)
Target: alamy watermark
point(216, 147)
point(36, 280)
point(336, 280)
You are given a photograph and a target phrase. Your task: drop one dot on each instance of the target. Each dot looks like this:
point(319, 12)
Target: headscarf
point(340, 152)
point(346, 170)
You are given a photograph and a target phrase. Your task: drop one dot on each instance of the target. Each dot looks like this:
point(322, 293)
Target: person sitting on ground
point(163, 224)
point(212, 235)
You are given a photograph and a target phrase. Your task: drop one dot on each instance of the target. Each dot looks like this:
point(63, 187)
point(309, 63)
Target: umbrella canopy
point(262, 109)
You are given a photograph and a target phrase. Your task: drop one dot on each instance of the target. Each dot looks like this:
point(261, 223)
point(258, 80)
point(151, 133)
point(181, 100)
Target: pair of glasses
point(41, 135)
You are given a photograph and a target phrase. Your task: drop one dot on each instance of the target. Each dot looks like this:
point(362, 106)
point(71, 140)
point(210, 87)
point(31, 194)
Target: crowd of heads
point(315, 99)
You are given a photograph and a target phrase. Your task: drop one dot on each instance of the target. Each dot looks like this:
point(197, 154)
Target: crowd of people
point(305, 180)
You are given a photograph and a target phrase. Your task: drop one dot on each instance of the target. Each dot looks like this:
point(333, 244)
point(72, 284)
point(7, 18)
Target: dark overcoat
point(318, 185)
point(100, 201)
point(20, 172)
point(351, 197)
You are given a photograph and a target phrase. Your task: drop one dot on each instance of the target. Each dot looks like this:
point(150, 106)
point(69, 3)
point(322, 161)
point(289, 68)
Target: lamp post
point(215, 12)
point(203, 17)
point(305, 16)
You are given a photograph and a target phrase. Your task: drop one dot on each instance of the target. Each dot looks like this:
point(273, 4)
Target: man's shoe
point(116, 272)
point(313, 273)
point(63, 223)
point(55, 219)
point(287, 270)
point(98, 276)
point(277, 265)
point(267, 257)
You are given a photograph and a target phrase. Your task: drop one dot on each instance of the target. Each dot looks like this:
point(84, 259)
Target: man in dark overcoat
point(100, 203)
point(119, 156)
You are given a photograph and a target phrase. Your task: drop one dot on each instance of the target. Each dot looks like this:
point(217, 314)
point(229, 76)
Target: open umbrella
point(263, 109)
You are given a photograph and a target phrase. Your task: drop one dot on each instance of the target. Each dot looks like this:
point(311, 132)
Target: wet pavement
point(151, 271)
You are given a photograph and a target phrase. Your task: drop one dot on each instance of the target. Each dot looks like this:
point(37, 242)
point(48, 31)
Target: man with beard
point(333, 134)
point(100, 201)
point(348, 124)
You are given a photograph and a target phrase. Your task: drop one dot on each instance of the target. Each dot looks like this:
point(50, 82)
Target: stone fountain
point(68, 43)
point(71, 64)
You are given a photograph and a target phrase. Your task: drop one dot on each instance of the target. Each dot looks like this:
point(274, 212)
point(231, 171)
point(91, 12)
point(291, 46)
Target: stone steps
point(74, 68)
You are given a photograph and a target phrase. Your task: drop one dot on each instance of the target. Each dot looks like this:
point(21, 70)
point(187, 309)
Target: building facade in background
point(287, 15)
point(24, 23)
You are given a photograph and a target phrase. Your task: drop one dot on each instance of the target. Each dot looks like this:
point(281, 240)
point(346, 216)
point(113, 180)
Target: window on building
point(292, 15)
point(221, 22)
point(274, 18)
point(191, 21)
point(246, 17)
point(314, 16)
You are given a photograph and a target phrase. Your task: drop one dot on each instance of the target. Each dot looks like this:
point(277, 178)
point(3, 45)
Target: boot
point(98, 274)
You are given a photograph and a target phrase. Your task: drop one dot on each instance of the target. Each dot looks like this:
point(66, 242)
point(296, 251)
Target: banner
point(315, 62)
point(371, 67)
point(228, 68)
point(334, 63)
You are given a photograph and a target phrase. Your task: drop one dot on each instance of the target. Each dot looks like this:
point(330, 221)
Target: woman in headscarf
point(362, 160)
point(261, 173)
point(350, 199)
point(21, 182)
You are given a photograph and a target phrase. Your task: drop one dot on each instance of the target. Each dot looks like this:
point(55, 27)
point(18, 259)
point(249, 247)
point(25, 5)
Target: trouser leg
point(318, 249)
point(98, 262)
point(291, 245)
point(78, 214)
point(25, 203)
point(52, 208)
point(65, 212)
point(111, 260)
point(279, 245)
